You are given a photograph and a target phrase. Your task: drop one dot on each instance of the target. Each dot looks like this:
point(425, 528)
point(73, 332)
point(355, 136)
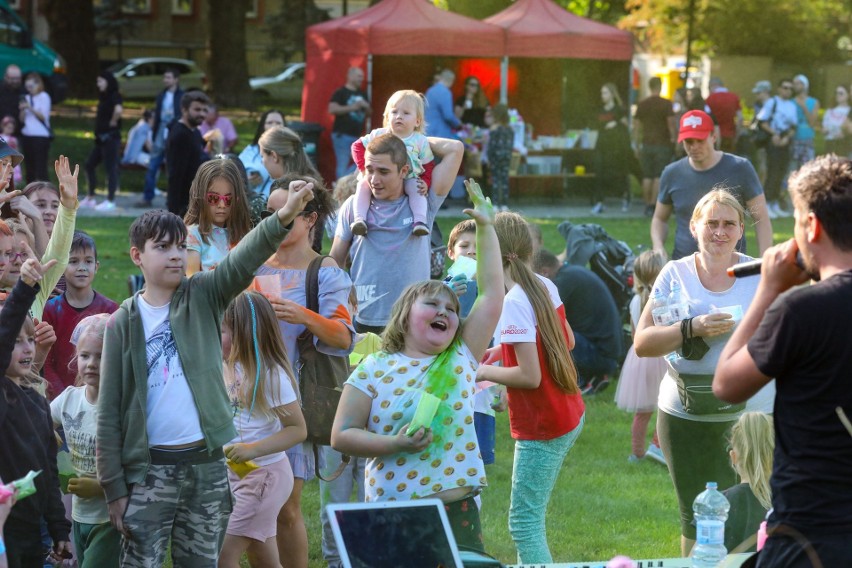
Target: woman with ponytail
point(546, 410)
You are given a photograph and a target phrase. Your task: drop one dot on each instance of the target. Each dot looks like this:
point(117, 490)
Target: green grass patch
point(601, 505)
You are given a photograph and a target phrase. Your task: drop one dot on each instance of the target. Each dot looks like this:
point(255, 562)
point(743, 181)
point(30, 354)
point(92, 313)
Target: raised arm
point(479, 326)
point(444, 175)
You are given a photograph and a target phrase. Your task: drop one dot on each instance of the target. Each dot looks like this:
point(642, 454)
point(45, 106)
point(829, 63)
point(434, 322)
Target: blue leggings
point(536, 467)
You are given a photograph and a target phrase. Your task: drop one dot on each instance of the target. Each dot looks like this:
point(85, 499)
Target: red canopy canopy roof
point(540, 28)
point(406, 27)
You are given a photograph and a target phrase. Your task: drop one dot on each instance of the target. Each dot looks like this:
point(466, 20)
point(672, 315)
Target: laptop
point(391, 534)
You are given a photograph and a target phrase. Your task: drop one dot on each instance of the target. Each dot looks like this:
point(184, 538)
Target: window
point(182, 7)
point(15, 4)
point(10, 31)
point(252, 9)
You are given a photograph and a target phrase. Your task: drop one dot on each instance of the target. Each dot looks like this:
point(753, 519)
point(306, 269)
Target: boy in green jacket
point(163, 413)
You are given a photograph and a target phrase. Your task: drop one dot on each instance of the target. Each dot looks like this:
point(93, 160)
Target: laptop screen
point(391, 534)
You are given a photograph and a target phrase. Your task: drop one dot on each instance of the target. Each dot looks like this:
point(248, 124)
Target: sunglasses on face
point(216, 198)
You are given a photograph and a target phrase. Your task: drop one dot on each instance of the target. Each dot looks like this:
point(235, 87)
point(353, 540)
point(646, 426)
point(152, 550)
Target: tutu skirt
point(639, 383)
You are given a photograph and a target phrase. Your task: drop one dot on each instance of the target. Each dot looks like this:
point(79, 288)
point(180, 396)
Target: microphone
point(752, 267)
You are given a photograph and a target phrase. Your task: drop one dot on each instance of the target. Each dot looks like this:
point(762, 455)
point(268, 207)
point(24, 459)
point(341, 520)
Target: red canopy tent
point(540, 28)
point(553, 93)
point(390, 28)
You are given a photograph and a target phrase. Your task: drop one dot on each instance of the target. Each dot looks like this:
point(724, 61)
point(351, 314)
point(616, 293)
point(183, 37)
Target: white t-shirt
point(256, 426)
point(171, 416)
point(517, 321)
point(79, 418)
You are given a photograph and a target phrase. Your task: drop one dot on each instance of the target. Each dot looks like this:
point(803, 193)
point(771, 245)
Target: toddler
point(404, 118)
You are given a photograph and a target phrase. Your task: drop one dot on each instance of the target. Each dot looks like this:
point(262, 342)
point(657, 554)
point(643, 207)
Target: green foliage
point(790, 31)
point(286, 28)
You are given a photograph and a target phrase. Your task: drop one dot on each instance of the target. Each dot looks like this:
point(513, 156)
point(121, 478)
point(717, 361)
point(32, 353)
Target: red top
point(546, 412)
point(725, 105)
point(64, 318)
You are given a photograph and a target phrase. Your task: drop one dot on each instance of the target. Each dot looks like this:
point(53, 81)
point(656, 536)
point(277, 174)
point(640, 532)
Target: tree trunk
point(72, 35)
point(226, 47)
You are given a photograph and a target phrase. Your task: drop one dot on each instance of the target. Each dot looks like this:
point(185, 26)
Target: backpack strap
point(312, 303)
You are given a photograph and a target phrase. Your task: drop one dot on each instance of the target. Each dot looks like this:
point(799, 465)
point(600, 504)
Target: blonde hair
point(719, 195)
point(239, 220)
point(18, 228)
point(646, 268)
point(94, 326)
point(753, 440)
point(408, 96)
point(516, 249)
point(288, 146)
point(257, 347)
point(393, 339)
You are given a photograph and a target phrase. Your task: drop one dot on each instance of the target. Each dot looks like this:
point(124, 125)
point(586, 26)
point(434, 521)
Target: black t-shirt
point(590, 309)
point(106, 106)
point(744, 518)
point(184, 153)
point(472, 115)
point(351, 123)
point(804, 342)
point(9, 101)
point(654, 113)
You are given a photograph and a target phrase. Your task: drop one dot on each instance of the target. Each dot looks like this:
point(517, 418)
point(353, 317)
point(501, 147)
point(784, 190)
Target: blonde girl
point(404, 117)
point(752, 445)
point(96, 542)
point(546, 410)
point(427, 349)
point(639, 384)
point(218, 216)
point(268, 418)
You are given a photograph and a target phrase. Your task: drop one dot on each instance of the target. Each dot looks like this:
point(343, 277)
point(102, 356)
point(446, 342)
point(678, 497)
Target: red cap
point(695, 124)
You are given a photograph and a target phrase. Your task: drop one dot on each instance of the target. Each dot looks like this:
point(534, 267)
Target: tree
point(72, 34)
point(226, 48)
point(791, 31)
point(286, 29)
point(113, 25)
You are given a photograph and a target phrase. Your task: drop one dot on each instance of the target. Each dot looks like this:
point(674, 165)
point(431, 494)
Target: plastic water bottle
point(711, 512)
point(678, 305)
point(660, 308)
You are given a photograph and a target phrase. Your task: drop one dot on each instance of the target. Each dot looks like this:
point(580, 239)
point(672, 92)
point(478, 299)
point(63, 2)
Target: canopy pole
point(370, 89)
point(504, 80)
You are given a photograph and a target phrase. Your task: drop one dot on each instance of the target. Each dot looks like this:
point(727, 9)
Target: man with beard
point(800, 336)
point(185, 150)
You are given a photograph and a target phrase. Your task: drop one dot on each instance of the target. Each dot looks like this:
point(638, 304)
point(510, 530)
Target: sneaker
point(602, 385)
point(781, 212)
point(359, 227)
point(625, 206)
point(655, 453)
point(598, 208)
point(106, 206)
point(634, 459)
point(420, 229)
point(88, 202)
point(770, 209)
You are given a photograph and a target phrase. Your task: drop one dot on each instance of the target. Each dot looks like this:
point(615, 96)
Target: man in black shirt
point(350, 106)
point(11, 91)
point(185, 150)
point(800, 336)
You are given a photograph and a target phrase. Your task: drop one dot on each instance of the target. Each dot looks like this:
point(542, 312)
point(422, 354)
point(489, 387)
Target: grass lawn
point(601, 505)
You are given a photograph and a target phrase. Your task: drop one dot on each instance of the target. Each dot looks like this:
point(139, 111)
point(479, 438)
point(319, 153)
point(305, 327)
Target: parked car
point(286, 87)
point(142, 77)
point(18, 46)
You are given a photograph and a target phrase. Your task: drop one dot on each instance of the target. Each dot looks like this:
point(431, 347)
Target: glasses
point(216, 198)
point(12, 256)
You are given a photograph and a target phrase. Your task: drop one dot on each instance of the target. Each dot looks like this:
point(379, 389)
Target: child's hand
point(458, 285)
point(61, 551)
point(483, 211)
point(85, 487)
point(417, 442)
point(492, 355)
point(502, 403)
point(117, 509)
point(67, 182)
point(298, 195)
point(24, 206)
point(45, 336)
point(239, 453)
point(25, 227)
point(422, 188)
point(32, 270)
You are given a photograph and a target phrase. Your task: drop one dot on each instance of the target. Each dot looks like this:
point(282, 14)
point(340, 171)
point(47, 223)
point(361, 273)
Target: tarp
point(542, 29)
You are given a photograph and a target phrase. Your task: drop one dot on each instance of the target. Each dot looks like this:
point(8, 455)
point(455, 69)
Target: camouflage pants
point(186, 503)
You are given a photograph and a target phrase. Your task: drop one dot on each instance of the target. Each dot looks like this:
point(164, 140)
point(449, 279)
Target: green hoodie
point(195, 316)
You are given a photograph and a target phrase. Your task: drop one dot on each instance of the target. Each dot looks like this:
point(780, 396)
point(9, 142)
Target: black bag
point(696, 396)
point(759, 137)
point(321, 377)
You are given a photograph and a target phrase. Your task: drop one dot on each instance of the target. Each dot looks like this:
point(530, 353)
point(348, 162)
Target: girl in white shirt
point(34, 108)
point(268, 419)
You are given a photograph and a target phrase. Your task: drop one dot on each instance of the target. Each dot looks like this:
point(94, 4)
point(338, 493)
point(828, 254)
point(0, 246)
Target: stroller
point(610, 259)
